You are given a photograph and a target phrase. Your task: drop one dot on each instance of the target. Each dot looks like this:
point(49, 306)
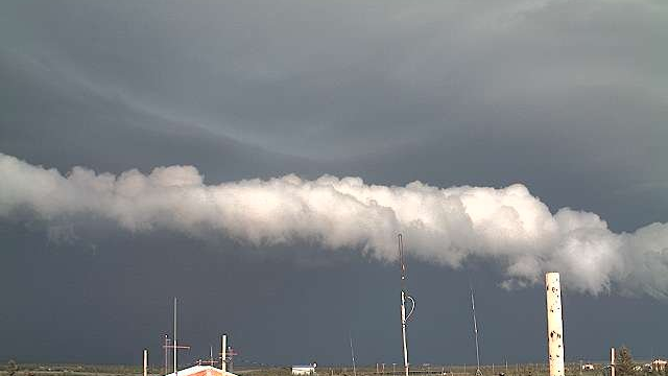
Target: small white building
point(304, 369)
point(659, 365)
point(587, 367)
point(201, 371)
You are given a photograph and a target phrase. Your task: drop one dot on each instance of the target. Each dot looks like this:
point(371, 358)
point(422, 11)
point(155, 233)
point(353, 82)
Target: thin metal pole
point(475, 330)
point(403, 302)
point(403, 331)
point(145, 362)
point(352, 353)
point(176, 370)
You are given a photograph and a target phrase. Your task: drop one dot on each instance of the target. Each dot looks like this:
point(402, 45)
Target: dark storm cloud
point(347, 82)
point(297, 77)
point(567, 97)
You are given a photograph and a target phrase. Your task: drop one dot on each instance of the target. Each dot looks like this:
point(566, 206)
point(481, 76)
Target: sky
point(257, 159)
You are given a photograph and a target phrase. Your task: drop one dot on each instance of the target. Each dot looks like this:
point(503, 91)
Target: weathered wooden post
point(555, 327)
point(145, 362)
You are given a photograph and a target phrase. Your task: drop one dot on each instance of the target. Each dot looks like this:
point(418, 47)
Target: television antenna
point(175, 347)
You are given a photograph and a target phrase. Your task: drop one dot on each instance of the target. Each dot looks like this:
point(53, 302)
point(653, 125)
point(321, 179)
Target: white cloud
point(442, 225)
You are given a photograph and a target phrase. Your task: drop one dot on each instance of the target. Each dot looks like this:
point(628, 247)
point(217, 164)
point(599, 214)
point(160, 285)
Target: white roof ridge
point(199, 368)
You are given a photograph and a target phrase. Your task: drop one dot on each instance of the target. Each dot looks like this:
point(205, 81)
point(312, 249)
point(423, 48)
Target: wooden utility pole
point(555, 328)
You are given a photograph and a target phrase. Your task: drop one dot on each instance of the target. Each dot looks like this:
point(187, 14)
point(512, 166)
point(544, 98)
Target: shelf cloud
point(449, 226)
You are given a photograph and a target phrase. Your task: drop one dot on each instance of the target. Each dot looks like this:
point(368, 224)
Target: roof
point(202, 371)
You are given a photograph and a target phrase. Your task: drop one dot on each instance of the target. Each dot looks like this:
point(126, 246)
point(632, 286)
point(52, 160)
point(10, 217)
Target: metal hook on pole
point(410, 313)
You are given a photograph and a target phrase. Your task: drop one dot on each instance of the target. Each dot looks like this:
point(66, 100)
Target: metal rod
point(176, 370)
point(404, 296)
point(166, 346)
point(352, 353)
point(478, 372)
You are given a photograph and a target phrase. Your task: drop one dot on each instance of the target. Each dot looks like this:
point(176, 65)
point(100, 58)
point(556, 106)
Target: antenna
point(352, 353)
point(231, 353)
point(176, 370)
point(174, 346)
point(212, 361)
point(404, 296)
point(475, 331)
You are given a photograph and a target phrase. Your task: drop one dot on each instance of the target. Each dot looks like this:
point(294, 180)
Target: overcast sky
point(568, 98)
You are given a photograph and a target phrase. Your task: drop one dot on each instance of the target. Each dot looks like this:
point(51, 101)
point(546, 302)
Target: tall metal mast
point(478, 372)
point(176, 370)
point(174, 346)
point(404, 296)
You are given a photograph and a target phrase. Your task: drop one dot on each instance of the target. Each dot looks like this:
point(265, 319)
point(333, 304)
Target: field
point(534, 369)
